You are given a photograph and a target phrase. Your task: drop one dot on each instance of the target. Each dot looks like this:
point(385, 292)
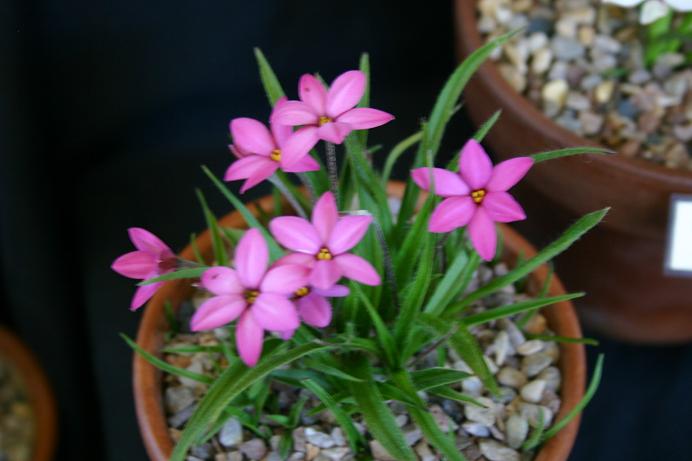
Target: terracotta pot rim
point(520, 106)
point(39, 393)
point(147, 379)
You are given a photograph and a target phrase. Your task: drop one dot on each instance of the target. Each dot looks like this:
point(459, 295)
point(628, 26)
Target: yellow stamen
point(478, 195)
point(324, 255)
point(251, 296)
point(276, 155)
point(303, 291)
point(324, 119)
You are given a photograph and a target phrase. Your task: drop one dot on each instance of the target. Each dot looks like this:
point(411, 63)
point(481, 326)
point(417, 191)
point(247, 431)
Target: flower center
point(301, 292)
point(478, 195)
point(276, 155)
point(167, 264)
point(251, 296)
point(324, 255)
point(324, 119)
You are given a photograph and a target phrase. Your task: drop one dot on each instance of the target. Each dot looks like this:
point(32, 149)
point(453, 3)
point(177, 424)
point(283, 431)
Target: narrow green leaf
point(384, 337)
point(564, 339)
point(191, 349)
point(271, 84)
point(449, 287)
point(220, 254)
point(397, 152)
point(450, 394)
point(481, 133)
point(330, 370)
point(569, 151)
point(535, 437)
point(171, 319)
point(516, 308)
point(437, 376)
point(364, 67)
point(195, 249)
point(189, 273)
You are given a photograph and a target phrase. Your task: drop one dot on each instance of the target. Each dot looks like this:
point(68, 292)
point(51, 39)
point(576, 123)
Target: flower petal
point(298, 145)
point(275, 312)
point(294, 113)
point(280, 132)
point(252, 136)
point(447, 183)
point(364, 118)
point(313, 93)
point(143, 294)
point(315, 310)
point(300, 259)
point(345, 92)
point(325, 274)
point(348, 231)
point(286, 335)
point(285, 279)
point(258, 177)
point(144, 240)
point(501, 207)
point(306, 163)
point(251, 258)
point(222, 281)
point(325, 215)
point(217, 311)
point(296, 234)
point(483, 234)
point(334, 132)
point(475, 165)
point(250, 166)
point(139, 265)
point(248, 338)
point(452, 213)
point(337, 291)
point(506, 174)
point(358, 269)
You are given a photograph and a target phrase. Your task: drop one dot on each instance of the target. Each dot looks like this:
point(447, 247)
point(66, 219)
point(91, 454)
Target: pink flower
point(257, 297)
point(476, 197)
point(321, 245)
point(261, 151)
point(331, 114)
point(313, 306)
point(152, 258)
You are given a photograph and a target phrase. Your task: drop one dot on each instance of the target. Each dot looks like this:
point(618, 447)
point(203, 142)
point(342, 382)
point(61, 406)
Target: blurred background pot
point(38, 393)
point(620, 263)
point(148, 384)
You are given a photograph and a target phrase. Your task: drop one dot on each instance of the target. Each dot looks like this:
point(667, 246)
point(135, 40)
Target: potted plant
point(373, 319)
point(590, 88)
point(28, 426)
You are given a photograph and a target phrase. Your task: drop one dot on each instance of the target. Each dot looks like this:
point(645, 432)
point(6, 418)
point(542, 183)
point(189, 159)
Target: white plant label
point(679, 247)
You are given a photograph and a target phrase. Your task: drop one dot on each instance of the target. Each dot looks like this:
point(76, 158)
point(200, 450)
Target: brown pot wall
point(620, 263)
point(38, 391)
point(147, 379)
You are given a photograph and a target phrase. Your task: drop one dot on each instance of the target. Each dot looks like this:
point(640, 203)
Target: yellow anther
point(324, 255)
point(478, 195)
point(251, 296)
point(324, 119)
point(276, 155)
point(303, 291)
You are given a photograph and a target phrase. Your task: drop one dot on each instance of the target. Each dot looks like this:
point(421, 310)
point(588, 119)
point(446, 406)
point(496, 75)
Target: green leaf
point(396, 152)
point(220, 254)
point(190, 273)
point(437, 376)
point(234, 380)
point(364, 67)
point(191, 349)
point(568, 152)
point(195, 249)
point(571, 235)
point(411, 246)
point(330, 370)
point(384, 337)
point(163, 365)
point(564, 339)
point(451, 284)
point(516, 308)
point(537, 432)
point(354, 437)
point(481, 133)
point(450, 394)
point(275, 250)
point(271, 84)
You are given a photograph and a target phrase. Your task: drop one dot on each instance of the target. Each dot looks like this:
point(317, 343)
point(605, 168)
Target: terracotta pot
point(148, 384)
point(38, 391)
point(620, 263)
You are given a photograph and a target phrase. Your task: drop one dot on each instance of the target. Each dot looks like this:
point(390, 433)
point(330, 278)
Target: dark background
point(106, 111)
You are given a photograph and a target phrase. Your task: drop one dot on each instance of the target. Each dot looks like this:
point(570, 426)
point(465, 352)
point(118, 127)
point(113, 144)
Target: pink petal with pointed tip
point(294, 113)
point(345, 92)
point(259, 176)
point(506, 174)
point(348, 231)
point(452, 213)
point(275, 312)
point(217, 311)
point(356, 268)
point(279, 132)
point(306, 163)
point(248, 338)
point(475, 165)
point(296, 234)
point(315, 310)
point(334, 132)
point(483, 234)
point(143, 294)
point(313, 93)
point(249, 166)
point(364, 118)
point(501, 207)
point(251, 258)
point(325, 215)
point(300, 259)
point(222, 281)
point(138, 265)
point(252, 136)
point(337, 291)
point(144, 240)
point(325, 274)
point(297, 146)
point(447, 183)
point(285, 279)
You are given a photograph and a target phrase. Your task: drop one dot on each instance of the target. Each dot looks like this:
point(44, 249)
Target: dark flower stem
point(333, 170)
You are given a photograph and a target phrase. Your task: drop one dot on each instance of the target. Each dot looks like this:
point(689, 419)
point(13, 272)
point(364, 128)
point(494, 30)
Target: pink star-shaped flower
point(476, 196)
point(330, 114)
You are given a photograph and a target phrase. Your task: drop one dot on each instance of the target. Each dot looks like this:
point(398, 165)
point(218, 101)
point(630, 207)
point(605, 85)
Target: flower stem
point(388, 264)
point(286, 192)
point(332, 170)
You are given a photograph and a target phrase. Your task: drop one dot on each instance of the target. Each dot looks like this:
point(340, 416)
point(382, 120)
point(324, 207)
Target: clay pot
point(148, 384)
point(39, 393)
point(620, 263)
